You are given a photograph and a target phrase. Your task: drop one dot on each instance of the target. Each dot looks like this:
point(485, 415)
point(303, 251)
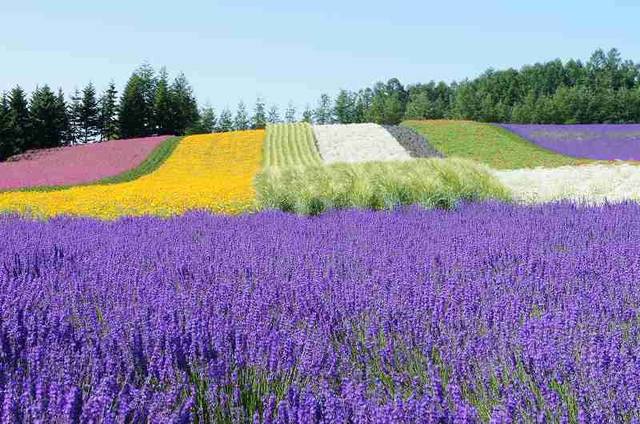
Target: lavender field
point(592, 141)
point(487, 313)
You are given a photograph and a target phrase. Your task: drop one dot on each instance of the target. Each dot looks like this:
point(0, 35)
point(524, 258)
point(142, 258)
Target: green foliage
point(18, 121)
point(376, 185)
point(225, 123)
point(133, 109)
point(241, 121)
point(89, 116)
point(290, 114)
point(47, 113)
point(273, 117)
point(323, 114)
point(259, 115)
point(109, 113)
point(290, 145)
point(6, 141)
point(162, 104)
point(184, 107)
point(487, 144)
point(206, 124)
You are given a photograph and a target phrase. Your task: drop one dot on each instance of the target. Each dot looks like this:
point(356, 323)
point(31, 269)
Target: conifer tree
point(290, 113)
point(132, 110)
point(273, 117)
point(184, 105)
point(241, 121)
point(109, 113)
point(89, 115)
point(46, 125)
point(307, 115)
point(323, 113)
point(163, 106)
point(18, 121)
point(259, 115)
point(6, 143)
point(225, 122)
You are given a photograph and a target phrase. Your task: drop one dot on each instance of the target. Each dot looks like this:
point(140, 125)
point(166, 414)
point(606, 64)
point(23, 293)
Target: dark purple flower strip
point(489, 312)
point(591, 141)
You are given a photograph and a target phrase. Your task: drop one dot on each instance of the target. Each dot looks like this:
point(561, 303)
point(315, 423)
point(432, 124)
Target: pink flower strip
point(76, 164)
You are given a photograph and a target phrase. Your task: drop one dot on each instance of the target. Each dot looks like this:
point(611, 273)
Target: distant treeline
point(605, 89)
point(149, 104)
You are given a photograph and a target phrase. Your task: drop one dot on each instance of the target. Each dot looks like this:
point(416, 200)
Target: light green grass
point(155, 159)
point(290, 145)
point(488, 144)
point(429, 182)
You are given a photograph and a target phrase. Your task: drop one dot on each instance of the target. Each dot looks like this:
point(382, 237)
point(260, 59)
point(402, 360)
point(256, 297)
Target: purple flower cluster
point(488, 313)
point(591, 141)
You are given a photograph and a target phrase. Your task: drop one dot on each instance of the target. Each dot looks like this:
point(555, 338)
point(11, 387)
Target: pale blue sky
point(295, 50)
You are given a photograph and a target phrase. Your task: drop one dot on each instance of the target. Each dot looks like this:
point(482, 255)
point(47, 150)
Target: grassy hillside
point(488, 144)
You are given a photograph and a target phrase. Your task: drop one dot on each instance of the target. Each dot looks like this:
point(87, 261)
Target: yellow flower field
point(212, 172)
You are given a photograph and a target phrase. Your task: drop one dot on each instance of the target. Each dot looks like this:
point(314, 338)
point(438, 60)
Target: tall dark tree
point(184, 105)
point(89, 115)
point(19, 124)
point(62, 113)
point(74, 118)
point(163, 105)
point(259, 114)
point(6, 142)
point(109, 113)
point(47, 126)
point(241, 121)
point(132, 110)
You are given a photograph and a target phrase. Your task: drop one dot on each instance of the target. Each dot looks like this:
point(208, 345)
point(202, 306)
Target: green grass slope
point(155, 159)
point(488, 144)
point(290, 145)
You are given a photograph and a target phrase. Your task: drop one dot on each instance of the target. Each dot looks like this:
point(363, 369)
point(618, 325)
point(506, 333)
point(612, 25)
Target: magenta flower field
point(593, 141)
point(76, 164)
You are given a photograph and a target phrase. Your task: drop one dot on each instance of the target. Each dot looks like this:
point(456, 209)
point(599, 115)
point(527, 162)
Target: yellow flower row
point(212, 172)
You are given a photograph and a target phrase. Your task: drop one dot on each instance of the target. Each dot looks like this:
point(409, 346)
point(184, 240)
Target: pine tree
point(46, 128)
point(206, 124)
point(163, 106)
point(6, 143)
point(19, 127)
point(108, 113)
point(290, 114)
point(323, 113)
point(132, 110)
point(307, 115)
point(74, 114)
point(241, 121)
point(259, 115)
point(344, 109)
point(225, 122)
point(273, 117)
point(89, 115)
point(62, 117)
point(184, 105)
point(148, 82)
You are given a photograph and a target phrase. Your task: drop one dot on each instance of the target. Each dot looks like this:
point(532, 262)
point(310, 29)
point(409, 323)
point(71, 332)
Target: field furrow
point(290, 145)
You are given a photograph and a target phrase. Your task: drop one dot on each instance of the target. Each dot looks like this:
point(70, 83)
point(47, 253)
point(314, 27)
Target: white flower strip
point(590, 184)
point(357, 143)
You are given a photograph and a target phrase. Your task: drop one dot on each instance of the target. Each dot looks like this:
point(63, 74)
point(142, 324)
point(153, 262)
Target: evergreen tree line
point(605, 89)
point(150, 104)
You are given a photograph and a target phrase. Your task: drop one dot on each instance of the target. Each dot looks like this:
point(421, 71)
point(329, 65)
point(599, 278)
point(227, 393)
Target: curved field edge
point(489, 144)
point(155, 159)
point(212, 172)
point(431, 183)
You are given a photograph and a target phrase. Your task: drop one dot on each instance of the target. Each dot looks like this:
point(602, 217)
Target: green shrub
point(429, 182)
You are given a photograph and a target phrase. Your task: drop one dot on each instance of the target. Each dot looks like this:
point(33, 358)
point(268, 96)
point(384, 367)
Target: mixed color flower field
point(189, 285)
